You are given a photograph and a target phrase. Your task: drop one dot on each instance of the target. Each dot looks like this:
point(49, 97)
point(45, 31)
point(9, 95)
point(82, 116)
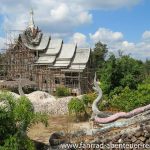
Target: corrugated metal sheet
point(54, 47)
point(80, 67)
point(80, 60)
point(72, 70)
point(82, 56)
point(69, 56)
point(62, 64)
point(46, 60)
point(67, 52)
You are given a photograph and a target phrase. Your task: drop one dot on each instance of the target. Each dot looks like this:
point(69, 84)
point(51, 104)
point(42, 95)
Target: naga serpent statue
point(20, 90)
point(102, 117)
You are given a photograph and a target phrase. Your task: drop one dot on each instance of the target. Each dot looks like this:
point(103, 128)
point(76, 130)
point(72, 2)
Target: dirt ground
point(41, 133)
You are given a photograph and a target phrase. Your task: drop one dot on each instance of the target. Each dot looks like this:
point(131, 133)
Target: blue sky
point(121, 24)
point(132, 22)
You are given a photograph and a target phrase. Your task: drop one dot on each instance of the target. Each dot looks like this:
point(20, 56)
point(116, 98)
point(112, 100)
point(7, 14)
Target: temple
point(49, 62)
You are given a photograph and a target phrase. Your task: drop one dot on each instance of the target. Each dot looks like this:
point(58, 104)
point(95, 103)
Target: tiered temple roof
point(53, 52)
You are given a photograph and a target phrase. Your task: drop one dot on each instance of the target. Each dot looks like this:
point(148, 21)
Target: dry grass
point(56, 123)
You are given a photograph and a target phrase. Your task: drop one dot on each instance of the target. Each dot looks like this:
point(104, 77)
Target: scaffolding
point(20, 62)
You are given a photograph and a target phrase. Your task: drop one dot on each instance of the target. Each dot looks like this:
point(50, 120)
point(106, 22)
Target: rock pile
point(53, 106)
point(128, 140)
point(124, 140)
point(46, 103)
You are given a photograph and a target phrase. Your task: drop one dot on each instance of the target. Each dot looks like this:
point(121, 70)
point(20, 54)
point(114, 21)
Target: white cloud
point(56, 16)
point(50, 15)
point(60, 13)
point(80, 39)
point(106, 36)
point(146, 35)
point(84, 17)
point(106, 4)
point(115, 42)
point(127, 45)
point(61, 17)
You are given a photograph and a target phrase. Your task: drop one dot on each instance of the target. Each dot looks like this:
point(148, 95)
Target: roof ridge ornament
point(31, 21)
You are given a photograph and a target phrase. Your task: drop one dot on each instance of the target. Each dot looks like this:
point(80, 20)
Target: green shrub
point(76, 106)
point(62, 91)
point(85, 99)
point(89, 98)
point(129, 99)
point(16, 117)
point(122, 71)
point(105, 104)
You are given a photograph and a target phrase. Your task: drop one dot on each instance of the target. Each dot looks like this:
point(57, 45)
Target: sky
point(121, 24)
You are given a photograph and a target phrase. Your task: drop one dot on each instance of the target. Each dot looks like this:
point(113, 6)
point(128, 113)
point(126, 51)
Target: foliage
point(76, 106)
point(121, 72)
point(16, 117)
point(81, 107)
point(129, 99)
point(124, 80)
point(147, 68)
point(88, 98)
point(99, 54)
point(62, 91)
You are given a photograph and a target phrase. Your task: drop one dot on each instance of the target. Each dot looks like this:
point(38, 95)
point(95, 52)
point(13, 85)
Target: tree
point(123, 71)
point(147, 67)
point(99, 54)
point(108, 74)
point(16, 117)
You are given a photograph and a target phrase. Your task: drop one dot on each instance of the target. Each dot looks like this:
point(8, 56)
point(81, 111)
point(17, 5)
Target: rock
point(127, 140)
point(142, 125)
point(147, 141)
point(56, 139)
point(138, 133)
point(139, 142)
point(142, 138)
point(147, 128)
point(124, 136)
point(97, 140)
point(130, 135)
point(147, 135)
point(117, 138)
point(93, 142)
point(120, 141)
point(133, 139)
point(147, 123)
point(40, 145)
point(108, 141)
point(78, 133)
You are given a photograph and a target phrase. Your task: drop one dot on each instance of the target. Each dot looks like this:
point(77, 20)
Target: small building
point(49, 62)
